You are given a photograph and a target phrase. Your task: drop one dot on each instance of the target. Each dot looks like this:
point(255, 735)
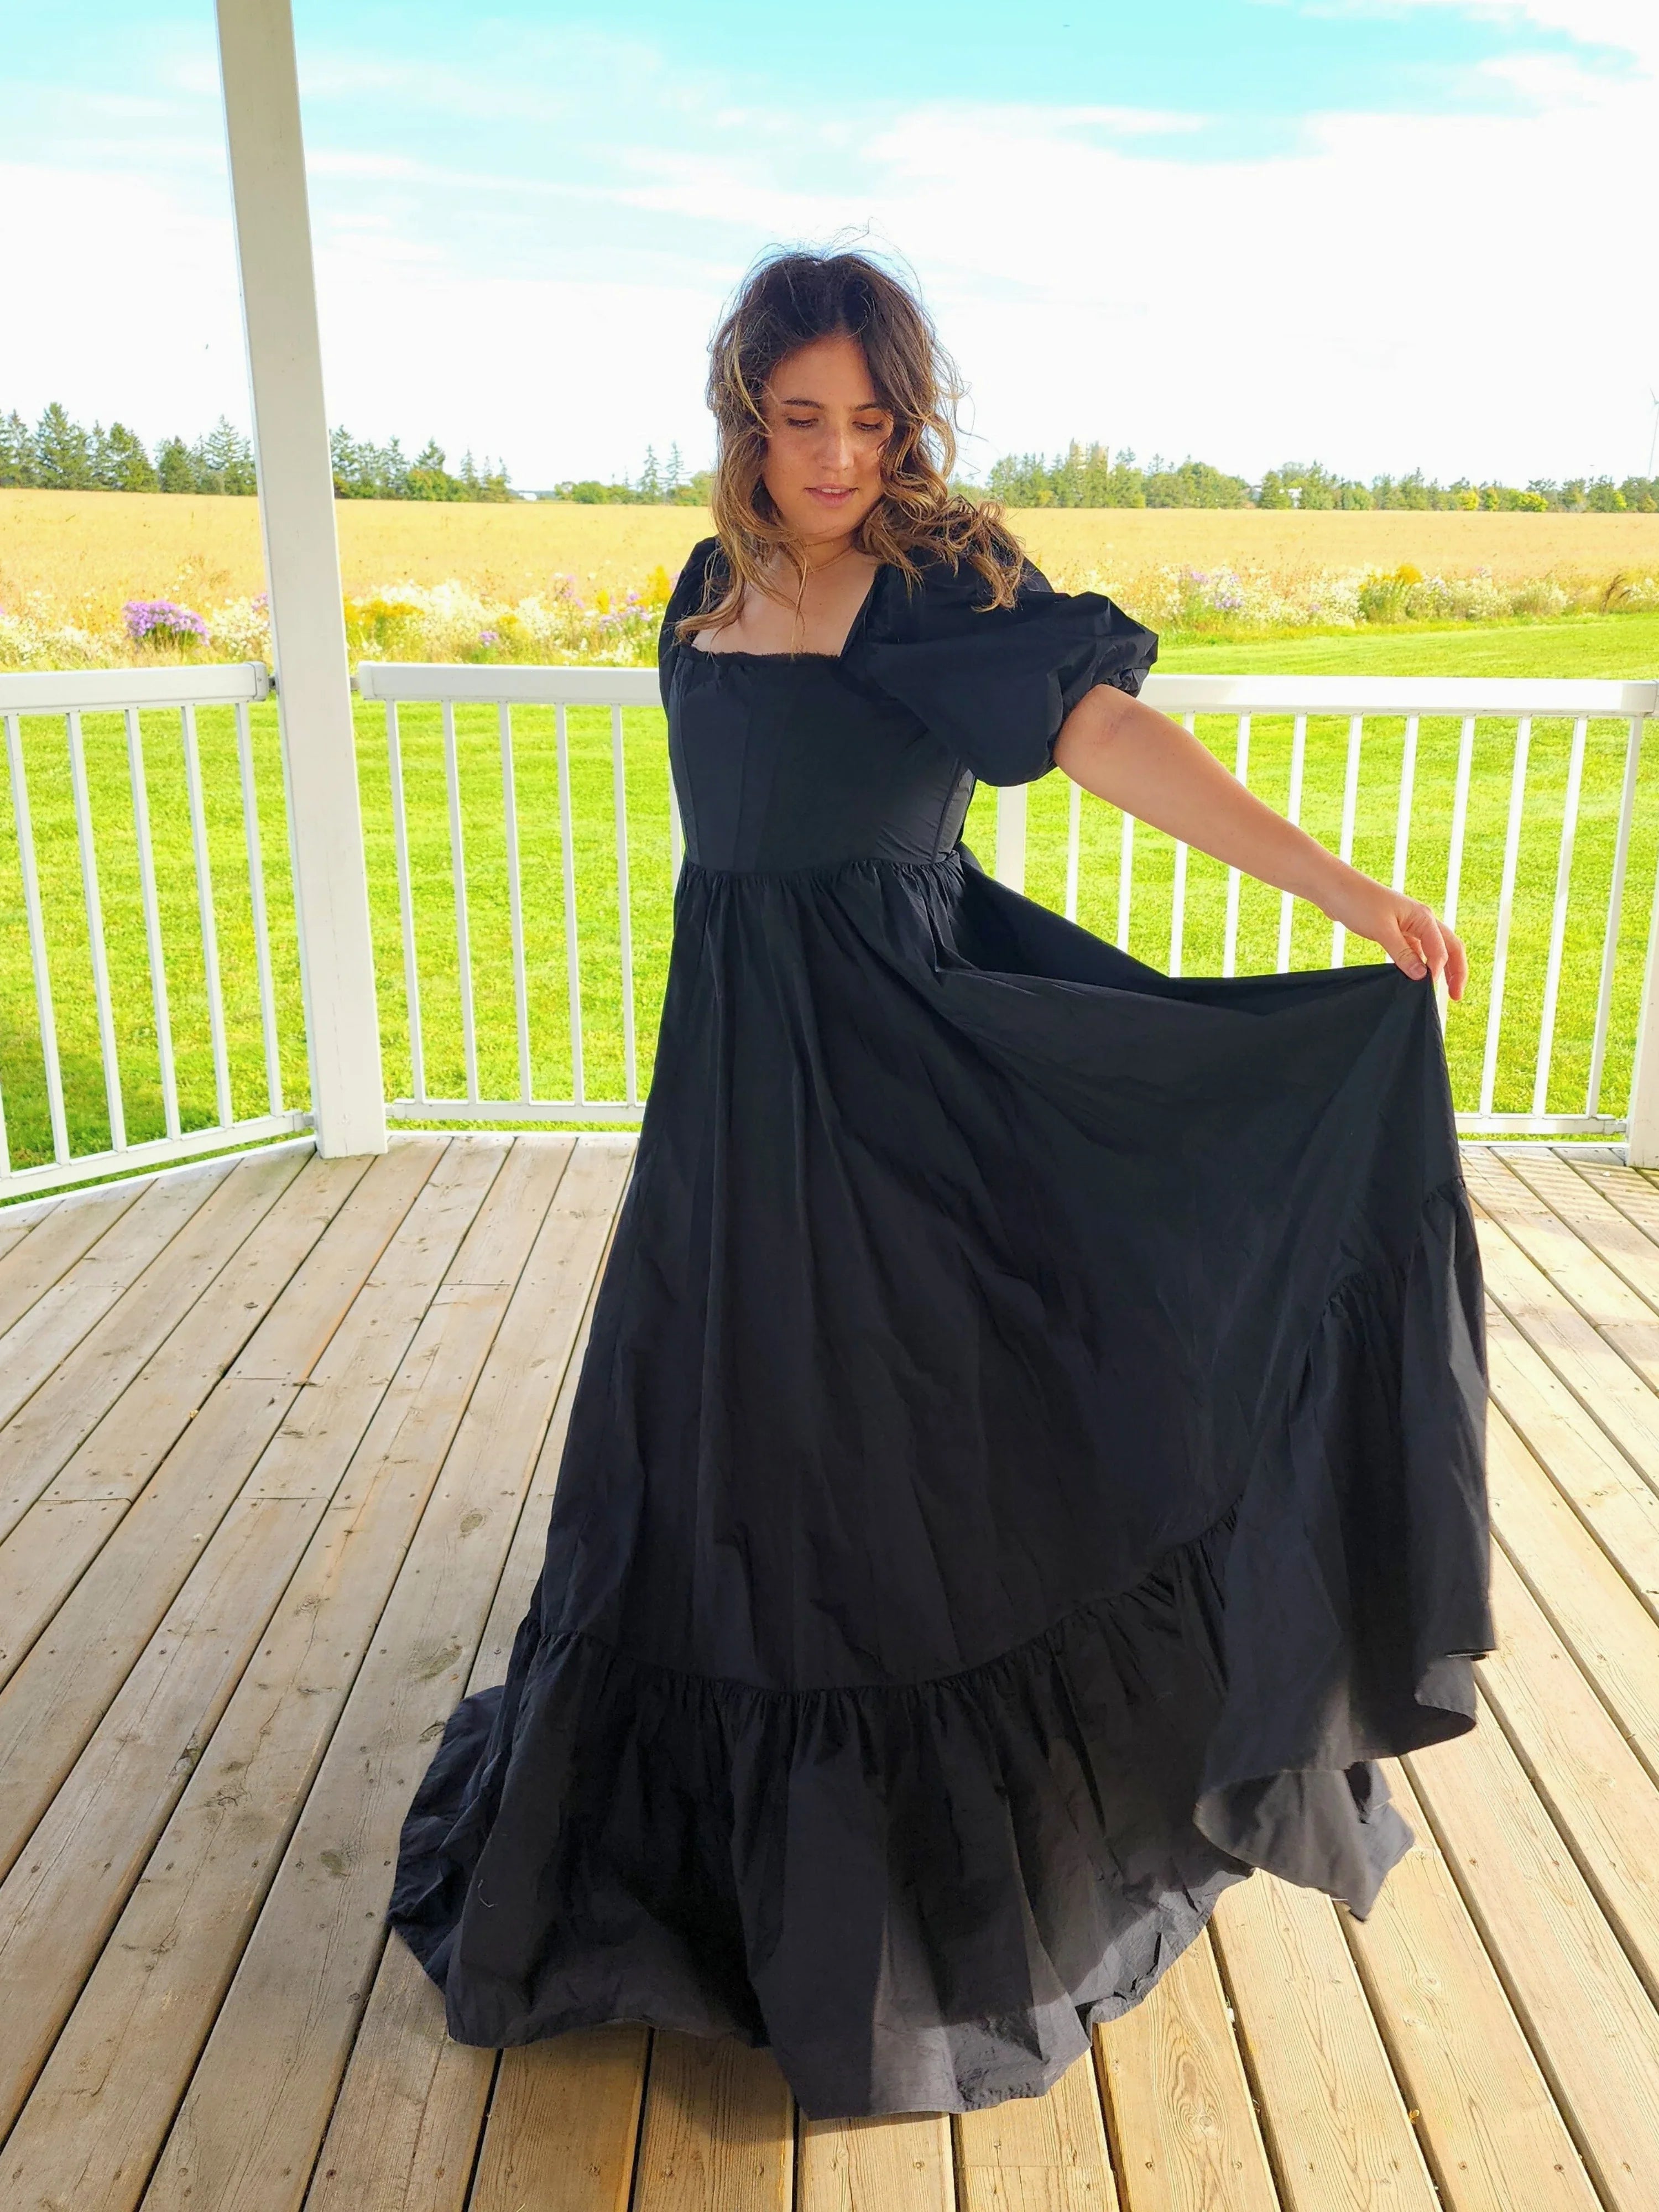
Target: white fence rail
point(1445, 802)
point(505, 689)
point(534, 842)
point(68, 953)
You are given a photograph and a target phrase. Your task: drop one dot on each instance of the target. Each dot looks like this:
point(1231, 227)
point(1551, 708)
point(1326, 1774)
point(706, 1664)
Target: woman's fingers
point(1420, 945)
point(1457, 965)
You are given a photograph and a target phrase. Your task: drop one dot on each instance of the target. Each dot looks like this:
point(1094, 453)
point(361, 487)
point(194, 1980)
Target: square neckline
point(739, 653)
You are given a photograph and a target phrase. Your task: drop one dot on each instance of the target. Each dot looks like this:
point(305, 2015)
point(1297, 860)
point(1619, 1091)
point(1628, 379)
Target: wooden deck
point(278, 1440)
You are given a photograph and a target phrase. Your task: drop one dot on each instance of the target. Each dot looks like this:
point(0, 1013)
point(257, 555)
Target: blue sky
point(1385, 235)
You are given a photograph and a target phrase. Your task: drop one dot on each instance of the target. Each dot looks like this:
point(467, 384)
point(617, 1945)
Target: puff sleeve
point(996, 686)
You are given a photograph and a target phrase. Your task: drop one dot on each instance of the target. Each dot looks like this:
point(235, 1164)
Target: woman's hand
point(1129, 753)
point(1409, 932)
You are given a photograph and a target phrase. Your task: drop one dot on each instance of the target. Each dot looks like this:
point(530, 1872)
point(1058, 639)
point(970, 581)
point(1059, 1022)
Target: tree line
point(1093, 476)
point(59, 454)
point(659, 483)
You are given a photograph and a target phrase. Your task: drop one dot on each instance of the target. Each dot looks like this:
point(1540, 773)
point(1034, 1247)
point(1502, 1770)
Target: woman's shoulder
point(688, 594)
point(694, 571)
point(950, 596)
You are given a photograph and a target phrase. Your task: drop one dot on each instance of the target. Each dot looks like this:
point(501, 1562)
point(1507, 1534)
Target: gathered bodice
point(784, 762)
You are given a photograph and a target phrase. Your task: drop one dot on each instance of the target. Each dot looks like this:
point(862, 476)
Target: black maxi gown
point(1028, 1463)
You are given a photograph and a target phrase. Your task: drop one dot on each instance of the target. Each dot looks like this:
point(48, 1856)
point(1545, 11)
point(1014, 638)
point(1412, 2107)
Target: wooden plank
point(1636, 1196)
point(66, 1685)
point(259, 2103)
point(119, 2067)
point(21, 1217)
point(423, 1250)
point(1590, 1213)
point(134, 1436)
point(61, 1533)
point(1610, 1496)
point(251, 1437)
point(1609, 1389)
point(1338, 2131)
point(1586, 2014)
point(1179, 2114)
point(1037, 2154)
point(398, 2149)
point(55, 1321)
point(529, 1545)
point(719, 2129)
point(43, 1557)
point(1597, 1791)
point(121, 2062)
point(70, 1403)
point(1592, 1608)
point(563, 2122)
point(1599, 1292)
point(287, 1343)
point(41, 1252)
point(63, 1895)
point(898, 2163)
point(1490, 2131)
point(404, 2135)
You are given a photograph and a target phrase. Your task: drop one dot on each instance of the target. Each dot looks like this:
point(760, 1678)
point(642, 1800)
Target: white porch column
point(302, 570)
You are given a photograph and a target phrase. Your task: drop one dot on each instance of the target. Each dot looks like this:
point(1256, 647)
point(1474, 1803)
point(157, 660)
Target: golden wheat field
point(87, 552)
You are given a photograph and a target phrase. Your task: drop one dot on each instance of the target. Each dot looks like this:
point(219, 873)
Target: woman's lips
point(830, 495)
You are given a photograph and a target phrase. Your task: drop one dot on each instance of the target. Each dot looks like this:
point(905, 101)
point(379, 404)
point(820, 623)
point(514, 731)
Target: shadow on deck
point(277, 1447)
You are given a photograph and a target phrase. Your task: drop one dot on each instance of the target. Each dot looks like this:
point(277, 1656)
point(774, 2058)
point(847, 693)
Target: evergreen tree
point(175, 468)
point(126, 465)
point(62, 453)
point(429, 478)
point(16, 452)
point(224, 461)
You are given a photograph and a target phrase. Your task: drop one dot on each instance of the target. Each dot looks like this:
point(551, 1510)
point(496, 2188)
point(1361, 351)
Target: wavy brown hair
point(788, 300)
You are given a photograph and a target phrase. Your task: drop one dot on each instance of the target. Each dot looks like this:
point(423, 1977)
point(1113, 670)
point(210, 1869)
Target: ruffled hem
point(922, 1896)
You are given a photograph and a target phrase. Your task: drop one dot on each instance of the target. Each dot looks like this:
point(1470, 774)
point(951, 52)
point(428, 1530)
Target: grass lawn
point(1624, 645)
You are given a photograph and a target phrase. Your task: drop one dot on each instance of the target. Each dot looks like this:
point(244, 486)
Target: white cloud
point(1456, 290)
point(130, 282)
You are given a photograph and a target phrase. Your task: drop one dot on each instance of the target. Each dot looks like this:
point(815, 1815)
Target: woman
point(1027, 1466)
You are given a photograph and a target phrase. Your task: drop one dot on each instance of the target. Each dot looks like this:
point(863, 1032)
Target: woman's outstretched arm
point(1126, 751)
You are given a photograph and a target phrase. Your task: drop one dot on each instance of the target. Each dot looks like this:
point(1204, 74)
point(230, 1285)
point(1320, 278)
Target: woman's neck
point(820, 552)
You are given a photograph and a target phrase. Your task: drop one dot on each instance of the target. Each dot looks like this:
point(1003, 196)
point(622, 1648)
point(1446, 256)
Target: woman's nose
point(837, 451)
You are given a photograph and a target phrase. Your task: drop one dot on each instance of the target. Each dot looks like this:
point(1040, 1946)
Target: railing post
point(1011, 836)
point(302, 571)
point(1642, 1134)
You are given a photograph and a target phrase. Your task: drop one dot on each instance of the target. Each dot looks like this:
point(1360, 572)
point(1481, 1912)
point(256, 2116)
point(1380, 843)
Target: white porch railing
point(63, 943)
point(1496, 769)
point(522, 850)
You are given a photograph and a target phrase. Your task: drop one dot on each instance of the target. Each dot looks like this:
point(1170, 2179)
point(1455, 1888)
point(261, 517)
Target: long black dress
point(1028, 1464)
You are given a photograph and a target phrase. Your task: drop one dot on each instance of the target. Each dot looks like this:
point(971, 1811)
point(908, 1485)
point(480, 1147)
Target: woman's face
point(825, 431)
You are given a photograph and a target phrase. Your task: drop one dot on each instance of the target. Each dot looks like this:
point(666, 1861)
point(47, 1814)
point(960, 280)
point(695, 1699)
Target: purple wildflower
point(160, 622)
point(489, 637)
